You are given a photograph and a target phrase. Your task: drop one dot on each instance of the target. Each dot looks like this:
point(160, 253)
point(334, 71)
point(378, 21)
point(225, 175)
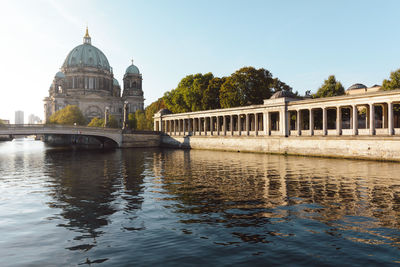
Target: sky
point(300, 42)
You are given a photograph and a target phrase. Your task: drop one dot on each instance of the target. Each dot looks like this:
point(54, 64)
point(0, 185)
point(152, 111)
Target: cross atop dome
point(86, 38)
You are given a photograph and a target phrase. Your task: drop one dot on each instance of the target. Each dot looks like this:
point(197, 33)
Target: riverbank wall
point(352, 147)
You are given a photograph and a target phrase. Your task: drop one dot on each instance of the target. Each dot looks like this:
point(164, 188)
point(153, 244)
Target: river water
point(65, 207)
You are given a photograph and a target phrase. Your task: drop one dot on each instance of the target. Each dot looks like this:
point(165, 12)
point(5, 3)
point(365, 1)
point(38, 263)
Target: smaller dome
point(357, 86)
point(115, 82)
point(132, 69)
point(281, 94)
point(60, 75)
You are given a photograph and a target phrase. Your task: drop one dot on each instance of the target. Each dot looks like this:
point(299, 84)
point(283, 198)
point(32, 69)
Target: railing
point(56, 126)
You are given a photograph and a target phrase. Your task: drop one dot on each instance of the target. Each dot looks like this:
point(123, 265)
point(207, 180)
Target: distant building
point(86, 80)
point(33, 119)
point(359, 88)
point(19, 117)
point(5, 121)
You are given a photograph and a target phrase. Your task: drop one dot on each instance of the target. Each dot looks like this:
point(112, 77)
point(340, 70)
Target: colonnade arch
point(347, 115)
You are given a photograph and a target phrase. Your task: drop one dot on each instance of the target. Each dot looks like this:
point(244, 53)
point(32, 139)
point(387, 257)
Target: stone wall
point(140, 140)
point(355, 147)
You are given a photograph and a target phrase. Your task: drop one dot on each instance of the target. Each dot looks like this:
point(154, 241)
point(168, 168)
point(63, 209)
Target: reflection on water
point(136, 206)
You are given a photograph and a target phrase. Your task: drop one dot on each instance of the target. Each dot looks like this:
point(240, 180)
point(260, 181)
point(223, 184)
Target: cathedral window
point(91, 83)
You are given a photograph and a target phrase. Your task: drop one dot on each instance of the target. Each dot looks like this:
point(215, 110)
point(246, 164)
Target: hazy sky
point(300, 42)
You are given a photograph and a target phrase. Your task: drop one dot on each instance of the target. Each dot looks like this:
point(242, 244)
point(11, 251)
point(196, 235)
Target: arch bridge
point(102, 134)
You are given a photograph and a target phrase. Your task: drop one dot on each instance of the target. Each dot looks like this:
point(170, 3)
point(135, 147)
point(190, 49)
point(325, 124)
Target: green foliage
point(112, 122)
point(151, 110)
point(68, 116)
point(96, 122)
point(189, 94)
point(393, 83)
point(140, 118)
point(247, 86)
point(278, 85)
point(211, 98)
point(131, 121)
point(330, 87)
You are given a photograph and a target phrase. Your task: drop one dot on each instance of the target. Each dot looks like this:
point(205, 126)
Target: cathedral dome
point(115, 82)
point(132, 69)
point(60, 75)
point(86, 55)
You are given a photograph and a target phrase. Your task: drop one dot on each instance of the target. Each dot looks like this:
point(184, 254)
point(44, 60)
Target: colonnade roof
point(292, 103)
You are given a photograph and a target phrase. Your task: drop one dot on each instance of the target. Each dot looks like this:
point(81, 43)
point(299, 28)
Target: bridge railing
point(57, 126)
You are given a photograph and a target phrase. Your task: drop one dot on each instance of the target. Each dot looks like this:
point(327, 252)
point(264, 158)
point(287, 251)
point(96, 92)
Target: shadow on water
point(264, 197)
point(88, 187)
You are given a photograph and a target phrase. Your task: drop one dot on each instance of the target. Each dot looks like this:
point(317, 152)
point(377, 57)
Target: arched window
point(91, 83)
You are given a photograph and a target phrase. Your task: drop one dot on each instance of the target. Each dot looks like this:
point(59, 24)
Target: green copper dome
point(86, 55)
point(132, 69)
point(115, 82)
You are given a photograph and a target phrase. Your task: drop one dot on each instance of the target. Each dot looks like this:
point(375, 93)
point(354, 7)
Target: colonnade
point(344, 115)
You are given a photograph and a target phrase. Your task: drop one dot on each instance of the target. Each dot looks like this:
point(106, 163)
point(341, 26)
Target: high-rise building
point(33, 119)
point(19, 117)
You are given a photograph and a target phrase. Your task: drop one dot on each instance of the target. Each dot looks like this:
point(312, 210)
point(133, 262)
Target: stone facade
point(354, 126)
point(87, 81)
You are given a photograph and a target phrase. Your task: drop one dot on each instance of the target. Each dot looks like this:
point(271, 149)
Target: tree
point(247, 86)
point(278, 85)
point(68, 116)
point(393, 83)
point(330, 87)
point(131, 121)
point(96, 122)
point(210, 98)
point(140, 120)
point(188, 95)
point(112, 122)
point(151, 110)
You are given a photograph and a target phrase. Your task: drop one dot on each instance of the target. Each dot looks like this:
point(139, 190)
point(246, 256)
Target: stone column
point(355, 119)
point(189, 126)
point(161, 125)
point(231, 124)
point(218, 128)
point(267, 123)
point(155, 125)
point(174, 127)
point(224, 124)
point(179, 127)
point(205, 125)
point(239, 125)
point(324, 121)
point(256, 123)
point(390, 118)
point(298, 122)
point(283, 116)
point(338, 121)
point(247, 124)
point(199, 122)
point(311, 121)
point(184, 126)
point(211, 125)
point(384, 116)
point(371, 119)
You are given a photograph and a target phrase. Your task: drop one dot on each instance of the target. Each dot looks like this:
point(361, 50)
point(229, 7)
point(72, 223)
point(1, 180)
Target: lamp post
point(107, 111)
point(125, 123)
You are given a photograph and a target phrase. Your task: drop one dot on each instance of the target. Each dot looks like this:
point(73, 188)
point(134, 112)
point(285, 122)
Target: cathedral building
point(86, 80)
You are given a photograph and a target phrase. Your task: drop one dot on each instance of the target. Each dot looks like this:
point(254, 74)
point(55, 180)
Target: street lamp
point(125, 123)
point(107, 111)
